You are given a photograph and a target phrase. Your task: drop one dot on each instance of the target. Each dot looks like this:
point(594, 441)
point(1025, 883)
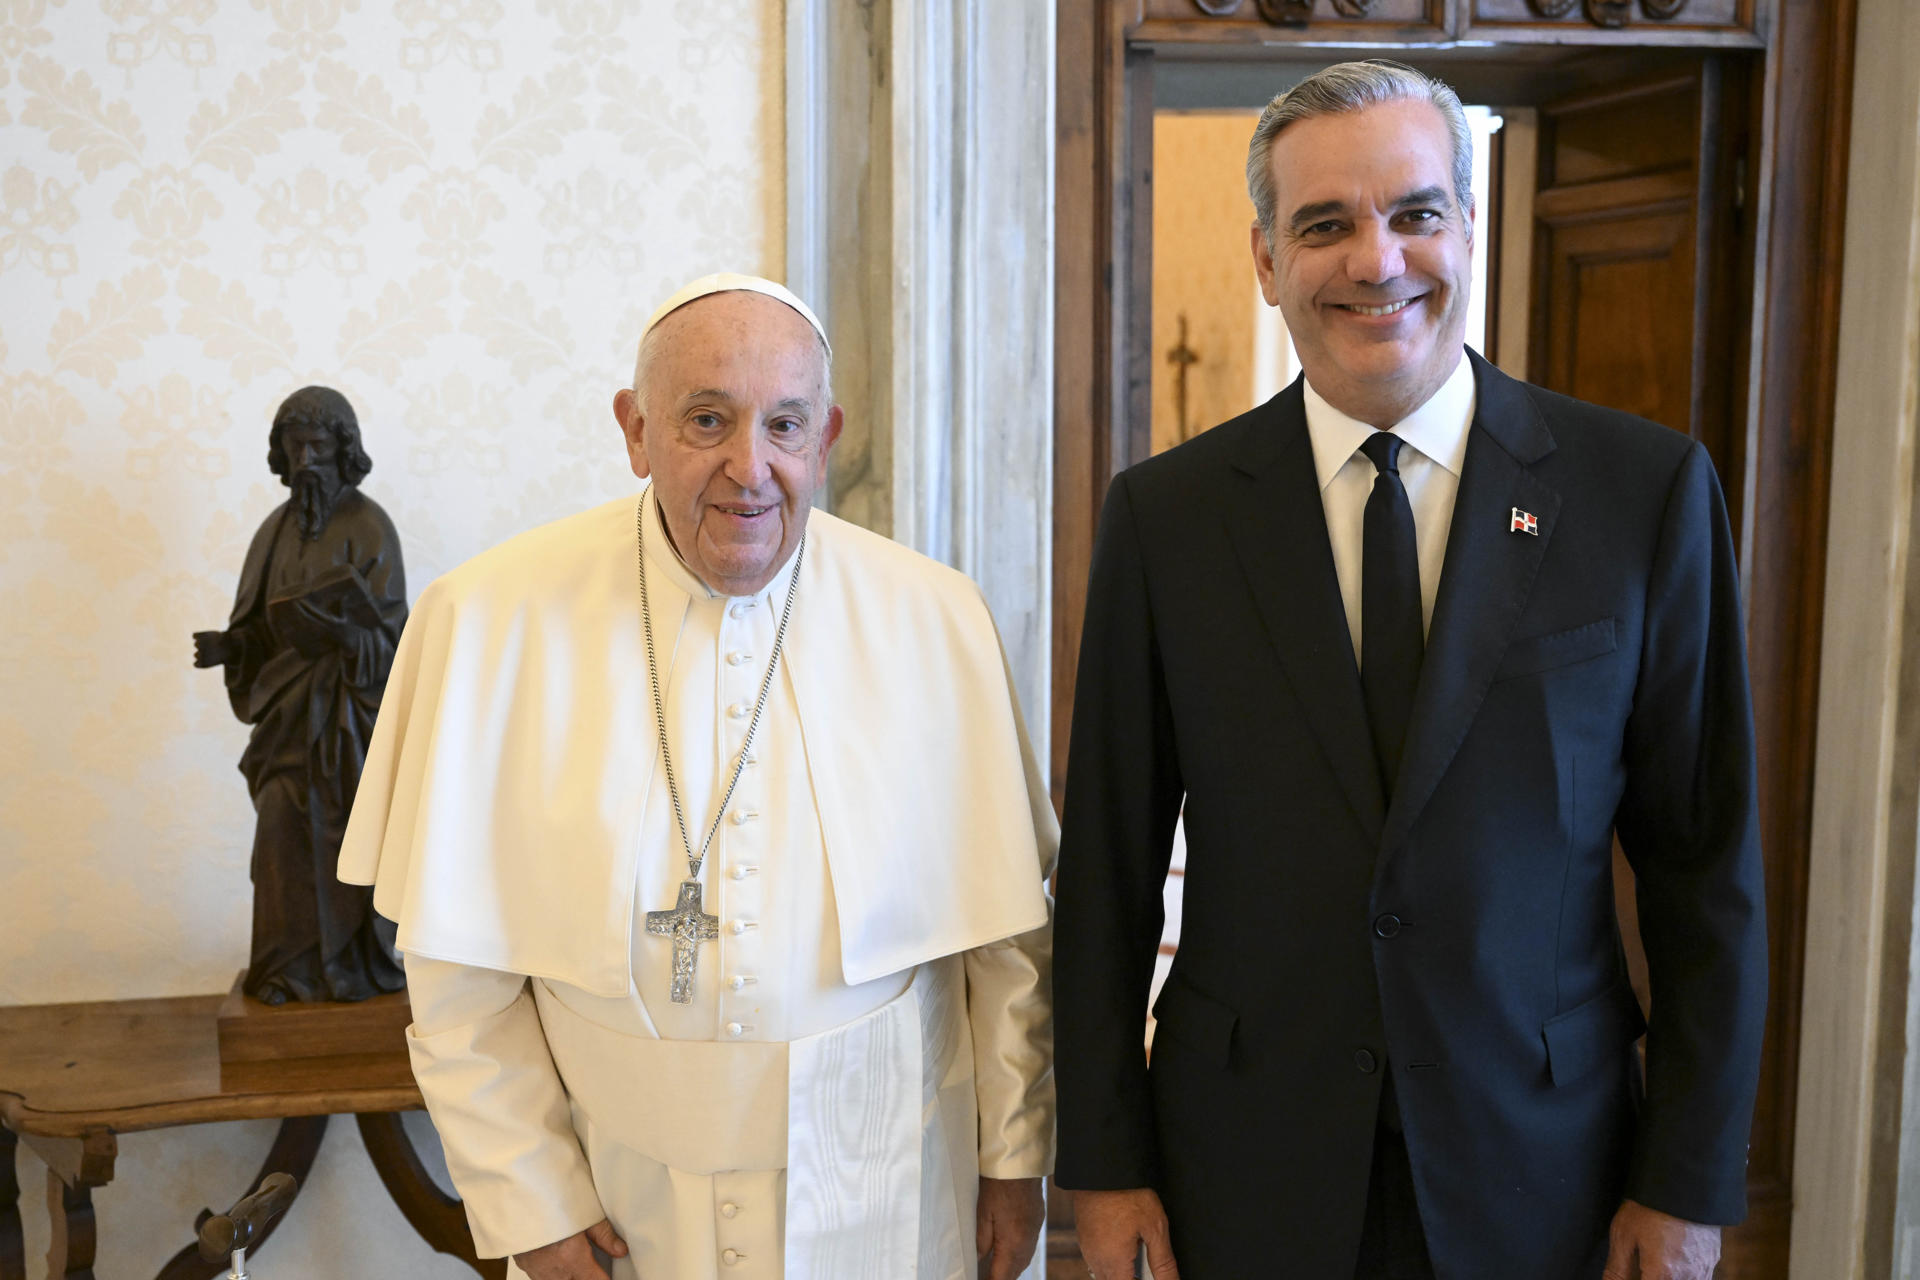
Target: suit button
point(1363, 1061)
point(1387, 926)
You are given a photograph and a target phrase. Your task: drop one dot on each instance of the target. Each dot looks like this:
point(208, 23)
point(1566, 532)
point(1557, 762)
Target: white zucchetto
point(731, 282)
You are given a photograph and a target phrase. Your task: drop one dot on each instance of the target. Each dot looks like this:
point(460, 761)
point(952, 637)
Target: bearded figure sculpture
point(321, 602)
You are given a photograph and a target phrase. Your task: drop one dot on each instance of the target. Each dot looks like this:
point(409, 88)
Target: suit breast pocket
point(1535, 654)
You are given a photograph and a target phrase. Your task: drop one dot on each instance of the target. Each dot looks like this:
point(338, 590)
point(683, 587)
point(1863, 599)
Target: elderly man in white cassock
point(718, 855)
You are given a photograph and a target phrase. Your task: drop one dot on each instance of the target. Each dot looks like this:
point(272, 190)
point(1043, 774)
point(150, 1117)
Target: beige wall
point(458, 214)
point(1202, 268)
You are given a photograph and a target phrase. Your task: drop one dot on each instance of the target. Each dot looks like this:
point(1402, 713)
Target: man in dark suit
point(1409, 645)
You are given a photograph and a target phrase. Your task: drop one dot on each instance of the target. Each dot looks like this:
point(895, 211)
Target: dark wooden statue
point(321, 602)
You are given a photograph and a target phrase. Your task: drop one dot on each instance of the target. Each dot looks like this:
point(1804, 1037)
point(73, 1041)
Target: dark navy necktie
point(1392, 639)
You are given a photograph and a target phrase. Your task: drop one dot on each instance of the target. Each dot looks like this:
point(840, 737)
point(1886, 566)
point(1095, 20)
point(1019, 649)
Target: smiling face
point(1371, 260)
point(733, 424)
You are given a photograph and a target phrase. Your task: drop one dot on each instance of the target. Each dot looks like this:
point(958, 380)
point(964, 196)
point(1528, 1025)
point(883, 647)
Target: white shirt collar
point(663, 555)
point(1438, 428)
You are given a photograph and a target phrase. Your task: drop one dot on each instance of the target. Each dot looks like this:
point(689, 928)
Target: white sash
point(872, 1192)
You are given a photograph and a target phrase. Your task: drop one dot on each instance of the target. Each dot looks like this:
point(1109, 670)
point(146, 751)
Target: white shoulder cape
point(499, 812)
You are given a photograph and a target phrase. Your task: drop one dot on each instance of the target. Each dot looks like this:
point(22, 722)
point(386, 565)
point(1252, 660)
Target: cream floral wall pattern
point(456, 211)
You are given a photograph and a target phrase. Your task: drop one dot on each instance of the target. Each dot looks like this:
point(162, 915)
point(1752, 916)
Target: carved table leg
point(436, 1215)
point(13, 1242)
point(293, 1152)
point(70, 1209)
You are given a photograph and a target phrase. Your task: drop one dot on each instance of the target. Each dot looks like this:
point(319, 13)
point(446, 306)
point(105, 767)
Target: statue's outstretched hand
point(212, 648)
point(572, 1258)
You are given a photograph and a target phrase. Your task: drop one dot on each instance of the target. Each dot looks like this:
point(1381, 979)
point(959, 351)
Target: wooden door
point(1633, 222)
point(1639, 222)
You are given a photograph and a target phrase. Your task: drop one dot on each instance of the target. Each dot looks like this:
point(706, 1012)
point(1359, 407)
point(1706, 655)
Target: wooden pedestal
point(364, 1042)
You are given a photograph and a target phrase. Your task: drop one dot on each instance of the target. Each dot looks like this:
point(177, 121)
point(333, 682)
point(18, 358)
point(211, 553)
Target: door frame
point(1782, 438)
point(1855, 1209)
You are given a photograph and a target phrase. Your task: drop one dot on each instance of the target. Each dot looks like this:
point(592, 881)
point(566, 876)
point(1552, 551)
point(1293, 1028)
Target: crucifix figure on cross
point(1181, 357)
point(688, 926)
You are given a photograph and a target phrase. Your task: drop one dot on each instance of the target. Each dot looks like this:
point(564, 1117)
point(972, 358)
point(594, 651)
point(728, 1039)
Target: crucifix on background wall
point(1181, 357)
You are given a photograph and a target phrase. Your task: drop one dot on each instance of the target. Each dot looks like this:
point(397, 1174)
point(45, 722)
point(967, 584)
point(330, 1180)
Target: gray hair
point(1350, 86)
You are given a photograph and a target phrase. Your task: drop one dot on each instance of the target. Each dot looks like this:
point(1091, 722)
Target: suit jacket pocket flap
point(1556, 649)
point(1194, 1020)
point(1588, 1034)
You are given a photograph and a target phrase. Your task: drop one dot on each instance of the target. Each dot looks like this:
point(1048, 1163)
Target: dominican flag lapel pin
point(1524, 522)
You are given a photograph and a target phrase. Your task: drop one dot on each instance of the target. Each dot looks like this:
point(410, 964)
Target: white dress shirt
point(1435, 437)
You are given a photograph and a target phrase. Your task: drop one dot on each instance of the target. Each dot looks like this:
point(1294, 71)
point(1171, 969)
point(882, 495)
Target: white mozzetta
point(498, 803)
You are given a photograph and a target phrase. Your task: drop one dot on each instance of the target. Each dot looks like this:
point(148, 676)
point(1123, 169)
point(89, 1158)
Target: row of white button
point(740, 817)
point(732, 1257)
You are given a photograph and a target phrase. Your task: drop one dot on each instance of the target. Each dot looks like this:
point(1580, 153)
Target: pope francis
point(718, 856)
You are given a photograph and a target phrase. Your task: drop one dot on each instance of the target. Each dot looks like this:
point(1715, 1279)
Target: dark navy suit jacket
point(1583, 680)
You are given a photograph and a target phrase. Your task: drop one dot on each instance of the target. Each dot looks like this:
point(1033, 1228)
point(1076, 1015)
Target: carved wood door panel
point(1619, 290)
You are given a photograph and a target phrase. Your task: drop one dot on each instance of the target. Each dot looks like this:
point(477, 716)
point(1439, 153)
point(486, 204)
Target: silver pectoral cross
point(688, 926)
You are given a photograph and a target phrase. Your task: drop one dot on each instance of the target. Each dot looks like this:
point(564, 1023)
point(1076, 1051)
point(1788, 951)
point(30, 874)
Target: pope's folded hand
point(572, 1258)
point(1011, 1211)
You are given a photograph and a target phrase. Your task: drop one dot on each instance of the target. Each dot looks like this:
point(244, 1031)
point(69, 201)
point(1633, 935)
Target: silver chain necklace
point(687, 924)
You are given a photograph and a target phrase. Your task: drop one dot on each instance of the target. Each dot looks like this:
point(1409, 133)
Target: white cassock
point(870, 1032)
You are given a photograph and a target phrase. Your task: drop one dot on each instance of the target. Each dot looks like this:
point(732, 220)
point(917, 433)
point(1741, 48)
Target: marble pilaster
point(919, 186)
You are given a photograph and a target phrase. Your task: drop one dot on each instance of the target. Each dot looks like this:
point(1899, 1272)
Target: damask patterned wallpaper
point(456, 211)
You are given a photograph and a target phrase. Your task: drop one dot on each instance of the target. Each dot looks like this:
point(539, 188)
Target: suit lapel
point(1484, 584)
point(1278, 527)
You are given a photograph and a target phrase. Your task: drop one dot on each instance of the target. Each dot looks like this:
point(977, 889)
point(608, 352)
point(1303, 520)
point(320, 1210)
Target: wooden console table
point(73, 1076)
